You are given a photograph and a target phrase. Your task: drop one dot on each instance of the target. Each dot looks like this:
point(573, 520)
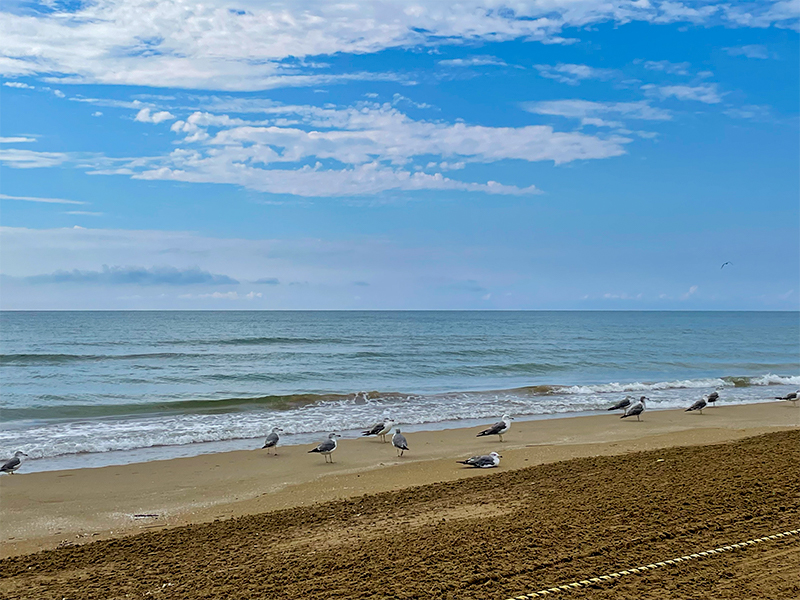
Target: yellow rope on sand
point(672, 561)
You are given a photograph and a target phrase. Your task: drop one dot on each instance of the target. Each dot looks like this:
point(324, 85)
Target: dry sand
point(45, 510)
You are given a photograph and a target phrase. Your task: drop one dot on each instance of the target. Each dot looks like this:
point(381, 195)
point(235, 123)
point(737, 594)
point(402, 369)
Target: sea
point(89, 389)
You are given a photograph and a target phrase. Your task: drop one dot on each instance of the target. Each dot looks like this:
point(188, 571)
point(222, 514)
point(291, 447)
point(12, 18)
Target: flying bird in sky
point(725, 263)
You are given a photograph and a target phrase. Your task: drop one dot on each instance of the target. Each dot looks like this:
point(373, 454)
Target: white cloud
point(707, 93)
point(28, 159)
point(97, 113)
point(16, 140)
point(18, 85)
point(222, 296)
point(666, 66)
point(572, 74)
point(144, 116)
point(85, 213)
point(749, 111)
point(750, 51)
point(365, 149)
point(38, 199)
point(205, 45)
point(592, 113)
point(474, 61)
point(692, 291)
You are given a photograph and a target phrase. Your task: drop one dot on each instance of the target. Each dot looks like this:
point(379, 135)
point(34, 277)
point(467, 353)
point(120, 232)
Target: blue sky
point(556, 154)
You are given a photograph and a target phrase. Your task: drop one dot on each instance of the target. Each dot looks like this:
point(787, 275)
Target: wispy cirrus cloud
point(30, 159)
point(38, 199)
point(681, 68)
point(706, 93)
point(573, 74)
point(750, 51)
point(473, 61)
point(598, 113)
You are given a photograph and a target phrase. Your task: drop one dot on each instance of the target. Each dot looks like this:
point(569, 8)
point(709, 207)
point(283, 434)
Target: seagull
point(793, 397)
point(712, 398)
point(327, 447)
point(381, 428)
point(399, 442)
point(272, 439)
point(636, 409)
point(498, 428)
point(487, 461)
point(725, 263)
point(624, 403)
point(13, 464)
point(698, 405)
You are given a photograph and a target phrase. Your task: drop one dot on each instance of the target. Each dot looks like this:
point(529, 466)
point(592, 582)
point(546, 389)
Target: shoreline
point(46, 509)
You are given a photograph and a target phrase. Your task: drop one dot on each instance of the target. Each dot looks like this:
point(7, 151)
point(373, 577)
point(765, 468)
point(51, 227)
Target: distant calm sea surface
point(94, 388)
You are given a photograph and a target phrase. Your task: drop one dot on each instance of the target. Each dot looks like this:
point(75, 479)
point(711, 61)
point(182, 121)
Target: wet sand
point(45, 510)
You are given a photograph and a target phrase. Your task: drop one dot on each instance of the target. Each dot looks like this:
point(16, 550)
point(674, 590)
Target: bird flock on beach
point(630, 407)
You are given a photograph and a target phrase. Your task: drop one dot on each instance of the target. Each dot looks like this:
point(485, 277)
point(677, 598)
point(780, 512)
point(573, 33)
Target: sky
point(547, 154)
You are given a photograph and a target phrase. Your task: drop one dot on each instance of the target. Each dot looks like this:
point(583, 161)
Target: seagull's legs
point(637, 418)
point(501, 436)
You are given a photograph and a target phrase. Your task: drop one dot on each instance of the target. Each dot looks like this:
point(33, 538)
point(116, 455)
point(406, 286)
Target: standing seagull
point(792, 397)
point(399, 442)
point(381, 428)
point(272, 439)
point(636, 409)
point(698, 405)
point(487, 461)
point(498, 428)
point(712, 398)
point(624, 403)
point(12, 465)
point(327, 447)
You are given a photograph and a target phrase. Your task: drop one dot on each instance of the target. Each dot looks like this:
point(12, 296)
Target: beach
point(249, 499)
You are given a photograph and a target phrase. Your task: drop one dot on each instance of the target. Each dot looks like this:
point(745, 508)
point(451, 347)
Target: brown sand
point(44, 510)
point(495, 535)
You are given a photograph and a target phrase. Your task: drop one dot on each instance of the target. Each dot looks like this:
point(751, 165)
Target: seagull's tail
point(463, 462)
point(482, 433)
point(314, 450)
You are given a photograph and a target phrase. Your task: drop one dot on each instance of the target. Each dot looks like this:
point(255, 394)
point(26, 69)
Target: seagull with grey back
point(698, 405)
point(380, 428)
point(272, 440)
point(635, 409)
point(792, 397)
point(487, 461)
point(399, 442)
point(712, 398)
point(498, 428)
point(327, 447)
point(624, 403)
point(13, 464)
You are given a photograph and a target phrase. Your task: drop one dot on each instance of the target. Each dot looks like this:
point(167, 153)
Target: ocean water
point(95, 388)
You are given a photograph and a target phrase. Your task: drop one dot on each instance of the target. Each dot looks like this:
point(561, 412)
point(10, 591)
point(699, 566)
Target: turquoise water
point(78, 383)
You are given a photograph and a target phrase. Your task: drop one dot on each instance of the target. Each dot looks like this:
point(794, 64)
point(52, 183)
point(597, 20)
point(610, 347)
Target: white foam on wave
point(772, 379)
point(45, 440)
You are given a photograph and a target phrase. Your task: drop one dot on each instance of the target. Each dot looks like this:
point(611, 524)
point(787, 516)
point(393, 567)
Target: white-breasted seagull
point(14, 463)
point(487, 461)
point(498, 428)
point(272, 439)
point(381, 428)
point(327, 447)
